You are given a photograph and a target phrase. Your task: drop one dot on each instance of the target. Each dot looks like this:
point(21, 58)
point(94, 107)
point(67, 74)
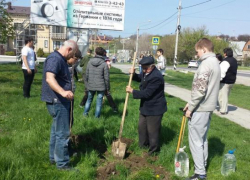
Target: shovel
point(183, 125)
point(118, 147)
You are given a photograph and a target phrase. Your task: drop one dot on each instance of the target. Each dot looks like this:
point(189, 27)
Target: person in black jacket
point(153, 104)
point(229, 68)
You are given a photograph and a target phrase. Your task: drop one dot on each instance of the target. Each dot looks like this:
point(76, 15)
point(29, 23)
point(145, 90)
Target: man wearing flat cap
point(153, 104)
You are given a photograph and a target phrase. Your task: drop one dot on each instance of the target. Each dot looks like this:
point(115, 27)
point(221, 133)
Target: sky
point(230, 17)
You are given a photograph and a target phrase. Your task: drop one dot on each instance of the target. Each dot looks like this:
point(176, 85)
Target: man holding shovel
point(153, 103)
point(57, 93)
point(204, 96)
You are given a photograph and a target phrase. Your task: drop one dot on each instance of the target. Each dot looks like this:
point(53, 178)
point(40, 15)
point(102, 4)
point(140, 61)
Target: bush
point(40, 52)
point(46, 55)
point(246, 61)
point(10, 53)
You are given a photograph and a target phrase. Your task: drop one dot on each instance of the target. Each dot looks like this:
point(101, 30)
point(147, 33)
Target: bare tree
point(244, 37)
point(168, 45)
point(145, 44)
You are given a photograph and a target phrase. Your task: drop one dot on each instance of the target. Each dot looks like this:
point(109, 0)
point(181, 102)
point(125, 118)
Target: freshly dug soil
point(107, 169)
point(132, 162)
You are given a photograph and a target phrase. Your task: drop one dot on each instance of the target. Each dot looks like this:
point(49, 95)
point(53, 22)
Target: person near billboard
point(57, 93)
point(83, 63)
point(97, 78)
point(107, 93)
point(73, 62)
point(28, 66)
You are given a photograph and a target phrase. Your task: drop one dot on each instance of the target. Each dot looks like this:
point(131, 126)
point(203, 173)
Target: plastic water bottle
point(228, 163)
point(181, 163)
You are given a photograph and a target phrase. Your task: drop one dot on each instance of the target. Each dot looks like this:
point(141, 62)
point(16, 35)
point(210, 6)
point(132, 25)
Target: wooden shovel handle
point(181, 132)
point(126, 100)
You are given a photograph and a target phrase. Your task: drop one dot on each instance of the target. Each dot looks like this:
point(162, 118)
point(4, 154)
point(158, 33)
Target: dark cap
point(147, 61)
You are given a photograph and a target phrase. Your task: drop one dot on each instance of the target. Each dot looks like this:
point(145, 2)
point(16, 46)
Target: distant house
point(47, 37)
point(237, 47)
point(246, 50)
point(101, 39)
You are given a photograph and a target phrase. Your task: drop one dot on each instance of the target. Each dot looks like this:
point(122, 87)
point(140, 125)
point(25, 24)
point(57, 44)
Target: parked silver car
point(193, 63)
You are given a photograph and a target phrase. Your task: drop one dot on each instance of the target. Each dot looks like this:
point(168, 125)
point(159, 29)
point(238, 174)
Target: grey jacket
point(206, 83)
point(97, 74)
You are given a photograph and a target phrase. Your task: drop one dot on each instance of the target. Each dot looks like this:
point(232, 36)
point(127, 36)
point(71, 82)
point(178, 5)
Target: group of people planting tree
point(57, 93)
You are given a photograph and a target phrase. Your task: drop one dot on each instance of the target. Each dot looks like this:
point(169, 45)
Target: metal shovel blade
point(119, 149)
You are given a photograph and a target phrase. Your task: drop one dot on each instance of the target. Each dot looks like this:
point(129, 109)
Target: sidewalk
point(238, 115)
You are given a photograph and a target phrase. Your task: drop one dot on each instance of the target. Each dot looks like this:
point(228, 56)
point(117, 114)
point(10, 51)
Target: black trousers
point(107, 94)
point(149, 132)
point(110, 100)
point(85, 96)
point(28, 79)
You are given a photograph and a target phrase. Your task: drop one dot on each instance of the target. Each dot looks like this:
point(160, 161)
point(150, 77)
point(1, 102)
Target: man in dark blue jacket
point(153, 103)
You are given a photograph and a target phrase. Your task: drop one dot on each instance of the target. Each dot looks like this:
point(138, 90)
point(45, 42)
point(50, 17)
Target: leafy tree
point(6, 26)
point(188, 38)
point(219, 45)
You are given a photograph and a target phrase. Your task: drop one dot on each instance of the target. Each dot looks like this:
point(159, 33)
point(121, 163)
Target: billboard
point(95, 14)
point(80, 36)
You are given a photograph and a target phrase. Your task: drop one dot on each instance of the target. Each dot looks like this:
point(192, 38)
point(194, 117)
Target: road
point(235, 114)
point(243, 73)
point(12, 59)
point(243, 76)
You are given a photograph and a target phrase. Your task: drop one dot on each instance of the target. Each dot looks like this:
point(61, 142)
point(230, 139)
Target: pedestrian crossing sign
point(155, 40)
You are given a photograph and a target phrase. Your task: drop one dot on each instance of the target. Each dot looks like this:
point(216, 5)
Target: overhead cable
point(160, 22)
point(196, 4)
point(210, 8)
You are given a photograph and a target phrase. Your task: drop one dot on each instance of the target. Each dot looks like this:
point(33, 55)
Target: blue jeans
point(98, 108)
point(60, 132)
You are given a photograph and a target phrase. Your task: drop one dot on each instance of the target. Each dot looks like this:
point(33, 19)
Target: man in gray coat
point(97, 79)
point(205, 90)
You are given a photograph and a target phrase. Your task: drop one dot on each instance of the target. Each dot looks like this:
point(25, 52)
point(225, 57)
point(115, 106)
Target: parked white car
point(193, 63)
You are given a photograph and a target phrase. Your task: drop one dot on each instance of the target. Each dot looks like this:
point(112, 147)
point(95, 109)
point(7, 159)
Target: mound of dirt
point(133, 163)
point(107, 169)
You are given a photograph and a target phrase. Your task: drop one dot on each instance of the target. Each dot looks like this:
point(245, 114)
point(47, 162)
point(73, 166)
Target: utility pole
point(178, 28)
point(137, 37)
point(91, 38)
point(123, 41)
point(137, 41)
point(95, 39)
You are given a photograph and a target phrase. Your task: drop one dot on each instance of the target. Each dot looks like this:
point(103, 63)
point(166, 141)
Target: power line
point(219, 18)
point(161, 22)
point(210, 8)
point(196, 4)
point(166, 24)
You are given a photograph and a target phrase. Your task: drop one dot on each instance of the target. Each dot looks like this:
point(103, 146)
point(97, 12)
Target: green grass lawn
point(25, 129)
point(243, 68)
point(239, 95)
